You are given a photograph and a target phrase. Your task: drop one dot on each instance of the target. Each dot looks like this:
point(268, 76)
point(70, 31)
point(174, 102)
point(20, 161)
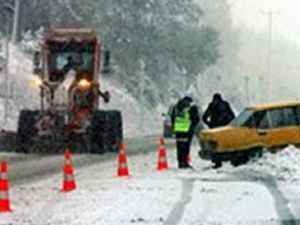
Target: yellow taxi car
point(272, 126)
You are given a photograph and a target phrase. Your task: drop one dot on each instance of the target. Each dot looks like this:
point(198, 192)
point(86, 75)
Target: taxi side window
point(290, 117)
point(282, 117)
point(254, 119)
point(264, 121)
point(297, 111)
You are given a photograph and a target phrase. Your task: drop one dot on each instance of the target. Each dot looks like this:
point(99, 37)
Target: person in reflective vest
point(185, 118)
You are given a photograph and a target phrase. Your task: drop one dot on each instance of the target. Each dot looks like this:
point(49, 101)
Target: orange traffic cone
point(68, 182)
point(122, 168)
point(162, 156)
point(4, 186)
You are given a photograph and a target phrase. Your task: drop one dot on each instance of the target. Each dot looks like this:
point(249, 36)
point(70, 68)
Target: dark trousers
point(183, 144)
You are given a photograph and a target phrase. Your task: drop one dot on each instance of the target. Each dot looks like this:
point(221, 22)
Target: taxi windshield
point(242, 118)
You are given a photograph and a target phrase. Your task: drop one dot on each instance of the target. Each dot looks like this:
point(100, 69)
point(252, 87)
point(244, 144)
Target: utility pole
point(13, 36)
point(6, 70)
point(261, 91)
point(16, 21)
point(15, 10)
point(184, 80)
point(219, 80)
point(141, 95)
point(247, 92)
point(270, 15)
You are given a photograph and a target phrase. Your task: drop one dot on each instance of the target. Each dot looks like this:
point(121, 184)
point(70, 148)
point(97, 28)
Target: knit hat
point(188, 94)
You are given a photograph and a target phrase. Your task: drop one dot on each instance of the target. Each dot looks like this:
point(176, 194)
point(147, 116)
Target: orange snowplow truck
point(67, 73)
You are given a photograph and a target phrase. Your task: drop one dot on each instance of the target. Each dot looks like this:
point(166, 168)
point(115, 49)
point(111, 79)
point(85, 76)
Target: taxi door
point(297, 111)
point(278, 128)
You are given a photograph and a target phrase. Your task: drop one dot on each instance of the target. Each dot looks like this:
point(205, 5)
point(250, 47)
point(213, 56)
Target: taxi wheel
point(234, 161)
point(297, 146)
point(256, 152)
point(239, 158)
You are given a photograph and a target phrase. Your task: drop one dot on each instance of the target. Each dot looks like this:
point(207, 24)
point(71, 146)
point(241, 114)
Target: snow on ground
point(225, 196)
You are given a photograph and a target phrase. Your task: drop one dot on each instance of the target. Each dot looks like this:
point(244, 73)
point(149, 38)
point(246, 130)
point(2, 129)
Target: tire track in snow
point(175, 215)
point(281, 202)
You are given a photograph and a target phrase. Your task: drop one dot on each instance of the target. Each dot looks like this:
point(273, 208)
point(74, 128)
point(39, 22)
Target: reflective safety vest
point(182, 121)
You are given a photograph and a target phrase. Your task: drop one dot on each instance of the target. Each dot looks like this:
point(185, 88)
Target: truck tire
point(26, 130)
point(106, 131)
point(97, 132)
point(115, 130)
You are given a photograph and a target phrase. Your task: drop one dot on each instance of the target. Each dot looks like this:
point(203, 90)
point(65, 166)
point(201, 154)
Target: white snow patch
point(283, 165)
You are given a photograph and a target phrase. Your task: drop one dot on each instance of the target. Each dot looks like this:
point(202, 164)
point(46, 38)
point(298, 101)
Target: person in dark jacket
point(218, 113)
point(184, 118)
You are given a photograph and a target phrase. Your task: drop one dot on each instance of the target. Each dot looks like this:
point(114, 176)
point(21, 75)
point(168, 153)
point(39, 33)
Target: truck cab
point(67, 72)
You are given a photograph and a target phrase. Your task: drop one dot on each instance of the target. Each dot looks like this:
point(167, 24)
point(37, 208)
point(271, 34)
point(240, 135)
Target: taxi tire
point(297, 145)
point(239, 158)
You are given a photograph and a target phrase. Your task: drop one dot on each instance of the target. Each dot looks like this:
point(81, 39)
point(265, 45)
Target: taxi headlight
point(208, 148)
point(209, 145)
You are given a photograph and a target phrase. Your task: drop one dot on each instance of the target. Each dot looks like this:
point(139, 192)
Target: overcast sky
point(253, 14)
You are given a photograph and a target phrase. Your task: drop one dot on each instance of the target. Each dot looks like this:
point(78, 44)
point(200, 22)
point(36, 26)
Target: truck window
point(77, 56)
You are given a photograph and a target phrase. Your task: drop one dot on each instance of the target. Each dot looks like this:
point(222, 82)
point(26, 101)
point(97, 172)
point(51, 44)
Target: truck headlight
point(36, 82)
point(84, 84)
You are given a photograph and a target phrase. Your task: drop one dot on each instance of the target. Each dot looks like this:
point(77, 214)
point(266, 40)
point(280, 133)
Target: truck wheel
point(97, 132)
point(106, 131)
point(26, 130)
point(115, 130)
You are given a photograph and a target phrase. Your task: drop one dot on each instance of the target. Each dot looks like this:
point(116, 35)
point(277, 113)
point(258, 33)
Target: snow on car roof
point(273, 105)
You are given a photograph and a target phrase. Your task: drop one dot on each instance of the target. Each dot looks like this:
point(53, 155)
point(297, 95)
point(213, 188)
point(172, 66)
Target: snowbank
point(283, 166)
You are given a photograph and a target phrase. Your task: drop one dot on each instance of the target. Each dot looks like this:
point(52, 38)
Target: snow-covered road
point(262, 192)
